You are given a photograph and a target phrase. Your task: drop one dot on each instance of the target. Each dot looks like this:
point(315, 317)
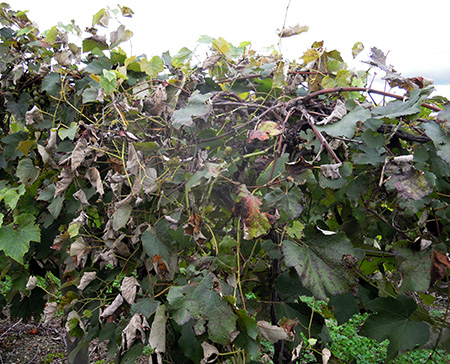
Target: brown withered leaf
point(118, 301)
point(129, 289)
point(192, 228)
point(288, 324)
point(79, 153)
point(298, 167)
point(65, 180)
point(293, 30)
point(273, 333)
point(439, 266)
point(87, 278)
point(136, 329)
point(117, 165)
point(93, 176)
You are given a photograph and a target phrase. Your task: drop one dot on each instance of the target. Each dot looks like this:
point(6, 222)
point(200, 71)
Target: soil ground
point(38, 343)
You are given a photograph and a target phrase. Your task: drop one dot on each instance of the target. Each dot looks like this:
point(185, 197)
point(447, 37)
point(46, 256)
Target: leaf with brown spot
point(440, 263)
point(192, 228)
point(246, 208)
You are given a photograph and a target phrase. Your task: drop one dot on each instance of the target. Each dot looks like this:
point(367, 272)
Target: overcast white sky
point(415, 33)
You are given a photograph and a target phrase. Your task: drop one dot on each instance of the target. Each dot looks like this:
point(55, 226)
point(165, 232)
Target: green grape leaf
point(12, 195)
point(347, 125)
point(154, 246)
point(319, 263)
point(196, 106)
point(26, 172)
point(440, 139)
point(201, 301)
point(15, 238)
point(108, 81)
point(121, 216)
point(401, 108)
point(343, 306)
point(414, 268)
point(392, 321)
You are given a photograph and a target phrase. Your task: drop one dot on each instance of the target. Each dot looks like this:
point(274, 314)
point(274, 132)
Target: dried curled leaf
point(331, 170)
point(135, 329)
point(93, 176)
point(192, 228)
point(337, 114)
point(112, 307)
point(65, 180)
point(31, 284)
point(129, 288)
point(34, 116)
point(87, 278)
point(274, 333)
point(293, 30)
point(210, 353)
point(50, 311)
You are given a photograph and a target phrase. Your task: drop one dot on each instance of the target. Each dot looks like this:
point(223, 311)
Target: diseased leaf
point(357, 49)
point(135, 330)
point(319, 263)
point(210, 353)
point(87, 278)
point(439, 268)
point(409, 182)
point(112, 307)
point(79, 153)
point(247, 208)
point(119, 36)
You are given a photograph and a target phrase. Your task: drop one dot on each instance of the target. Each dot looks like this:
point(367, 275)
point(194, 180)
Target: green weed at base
point(350, 346)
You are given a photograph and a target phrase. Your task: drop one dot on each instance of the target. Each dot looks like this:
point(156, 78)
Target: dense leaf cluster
point(187, 207)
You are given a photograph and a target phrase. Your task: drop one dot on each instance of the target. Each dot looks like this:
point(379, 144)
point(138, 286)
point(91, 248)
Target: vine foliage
point(186, 207)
